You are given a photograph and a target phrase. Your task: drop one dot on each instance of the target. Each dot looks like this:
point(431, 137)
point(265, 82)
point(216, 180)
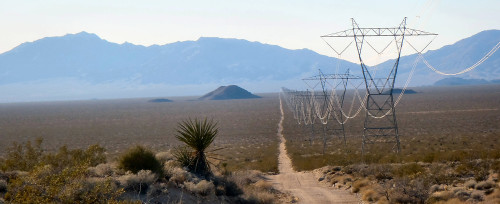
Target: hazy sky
point(288, 23)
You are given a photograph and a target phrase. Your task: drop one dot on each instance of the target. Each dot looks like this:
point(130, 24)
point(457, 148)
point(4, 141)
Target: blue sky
point(288, 23)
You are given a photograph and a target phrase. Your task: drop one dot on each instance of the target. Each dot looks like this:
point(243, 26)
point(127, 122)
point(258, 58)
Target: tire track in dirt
point(302, 185)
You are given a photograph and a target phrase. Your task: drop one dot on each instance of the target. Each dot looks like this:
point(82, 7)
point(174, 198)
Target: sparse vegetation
point(449, 150)
point(55, 177)
point(80, 178)
point(139, 158)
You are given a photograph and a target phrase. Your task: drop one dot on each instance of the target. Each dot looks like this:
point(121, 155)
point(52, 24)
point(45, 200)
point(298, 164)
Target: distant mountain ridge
point(457, 81)
point(87, 57)
point(454, 58)
point(85, 66)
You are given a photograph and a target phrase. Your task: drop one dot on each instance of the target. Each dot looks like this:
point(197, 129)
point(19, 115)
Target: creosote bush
point(25, 157)
point(46, 184)
point(59, 177)
point(139, 158)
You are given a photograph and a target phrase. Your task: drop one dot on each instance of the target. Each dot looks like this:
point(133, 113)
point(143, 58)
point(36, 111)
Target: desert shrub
point(470, 184)
point(264, 185)
point(371, 196)
point(25, 157)
point(178, 175)
point(139, 182)
point(102, 170)
point(245, 178)
point(261, 197)
point(484, 185)
point(227, 186)
point(46, 184)
point(65, 157)
point(410, 190)
point(383, 171)
point(409, 170)
point(429, 157)
point(495, 166)
point(203, 187)
point(440, 174)
point(441, 196)
point(476, 168)
point(139, 158)
point(435, 188)
point(164, 156)
point(157, 189)
point(3, 186)
point(462, 194)
point(477, 195)
point(357, 185)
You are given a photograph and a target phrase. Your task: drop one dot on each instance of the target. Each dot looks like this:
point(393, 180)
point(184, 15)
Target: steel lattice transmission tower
point(326, 96)
point(380, 122)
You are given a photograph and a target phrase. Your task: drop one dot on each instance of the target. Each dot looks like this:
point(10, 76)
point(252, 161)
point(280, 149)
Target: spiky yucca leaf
point(198, 135)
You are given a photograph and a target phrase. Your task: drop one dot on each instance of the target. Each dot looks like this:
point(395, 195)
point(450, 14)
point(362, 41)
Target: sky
point(291, 24)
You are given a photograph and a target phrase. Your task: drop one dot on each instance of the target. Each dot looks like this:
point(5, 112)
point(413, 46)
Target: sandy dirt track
point(303, 186)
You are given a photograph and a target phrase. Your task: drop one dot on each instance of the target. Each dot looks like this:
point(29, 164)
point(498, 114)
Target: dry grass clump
point(441, 196)
point(103, 170)
point(359, 184)
point(203, 187)
point(477, 195)
point(165, 156)
point(484, 185)
point(436, 188)
point(138, 182)
point(179, 175)
point(371, 195)
point(264, 185)
point(262, 197)
point(251, 187)
point(470, 184)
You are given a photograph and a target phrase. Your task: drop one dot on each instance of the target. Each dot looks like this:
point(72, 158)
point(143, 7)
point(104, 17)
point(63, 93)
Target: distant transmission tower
point(327, 97)
point(380, 124)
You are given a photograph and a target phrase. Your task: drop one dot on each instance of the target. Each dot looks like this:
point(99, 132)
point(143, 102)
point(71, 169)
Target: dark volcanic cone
point(227, 93)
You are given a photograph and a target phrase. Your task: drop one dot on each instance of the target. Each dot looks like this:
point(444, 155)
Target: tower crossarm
point(332, 76)
point(367, 32)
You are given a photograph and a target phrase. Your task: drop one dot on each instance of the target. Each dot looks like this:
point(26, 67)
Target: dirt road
point(302, 185)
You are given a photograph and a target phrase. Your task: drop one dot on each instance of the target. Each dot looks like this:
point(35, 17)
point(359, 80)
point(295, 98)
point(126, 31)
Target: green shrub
point(139, 158)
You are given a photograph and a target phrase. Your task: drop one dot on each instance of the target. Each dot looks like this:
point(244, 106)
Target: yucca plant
point(198, 135)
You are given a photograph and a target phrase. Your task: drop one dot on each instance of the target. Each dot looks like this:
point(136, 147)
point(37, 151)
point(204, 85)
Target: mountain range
point(83, 66)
